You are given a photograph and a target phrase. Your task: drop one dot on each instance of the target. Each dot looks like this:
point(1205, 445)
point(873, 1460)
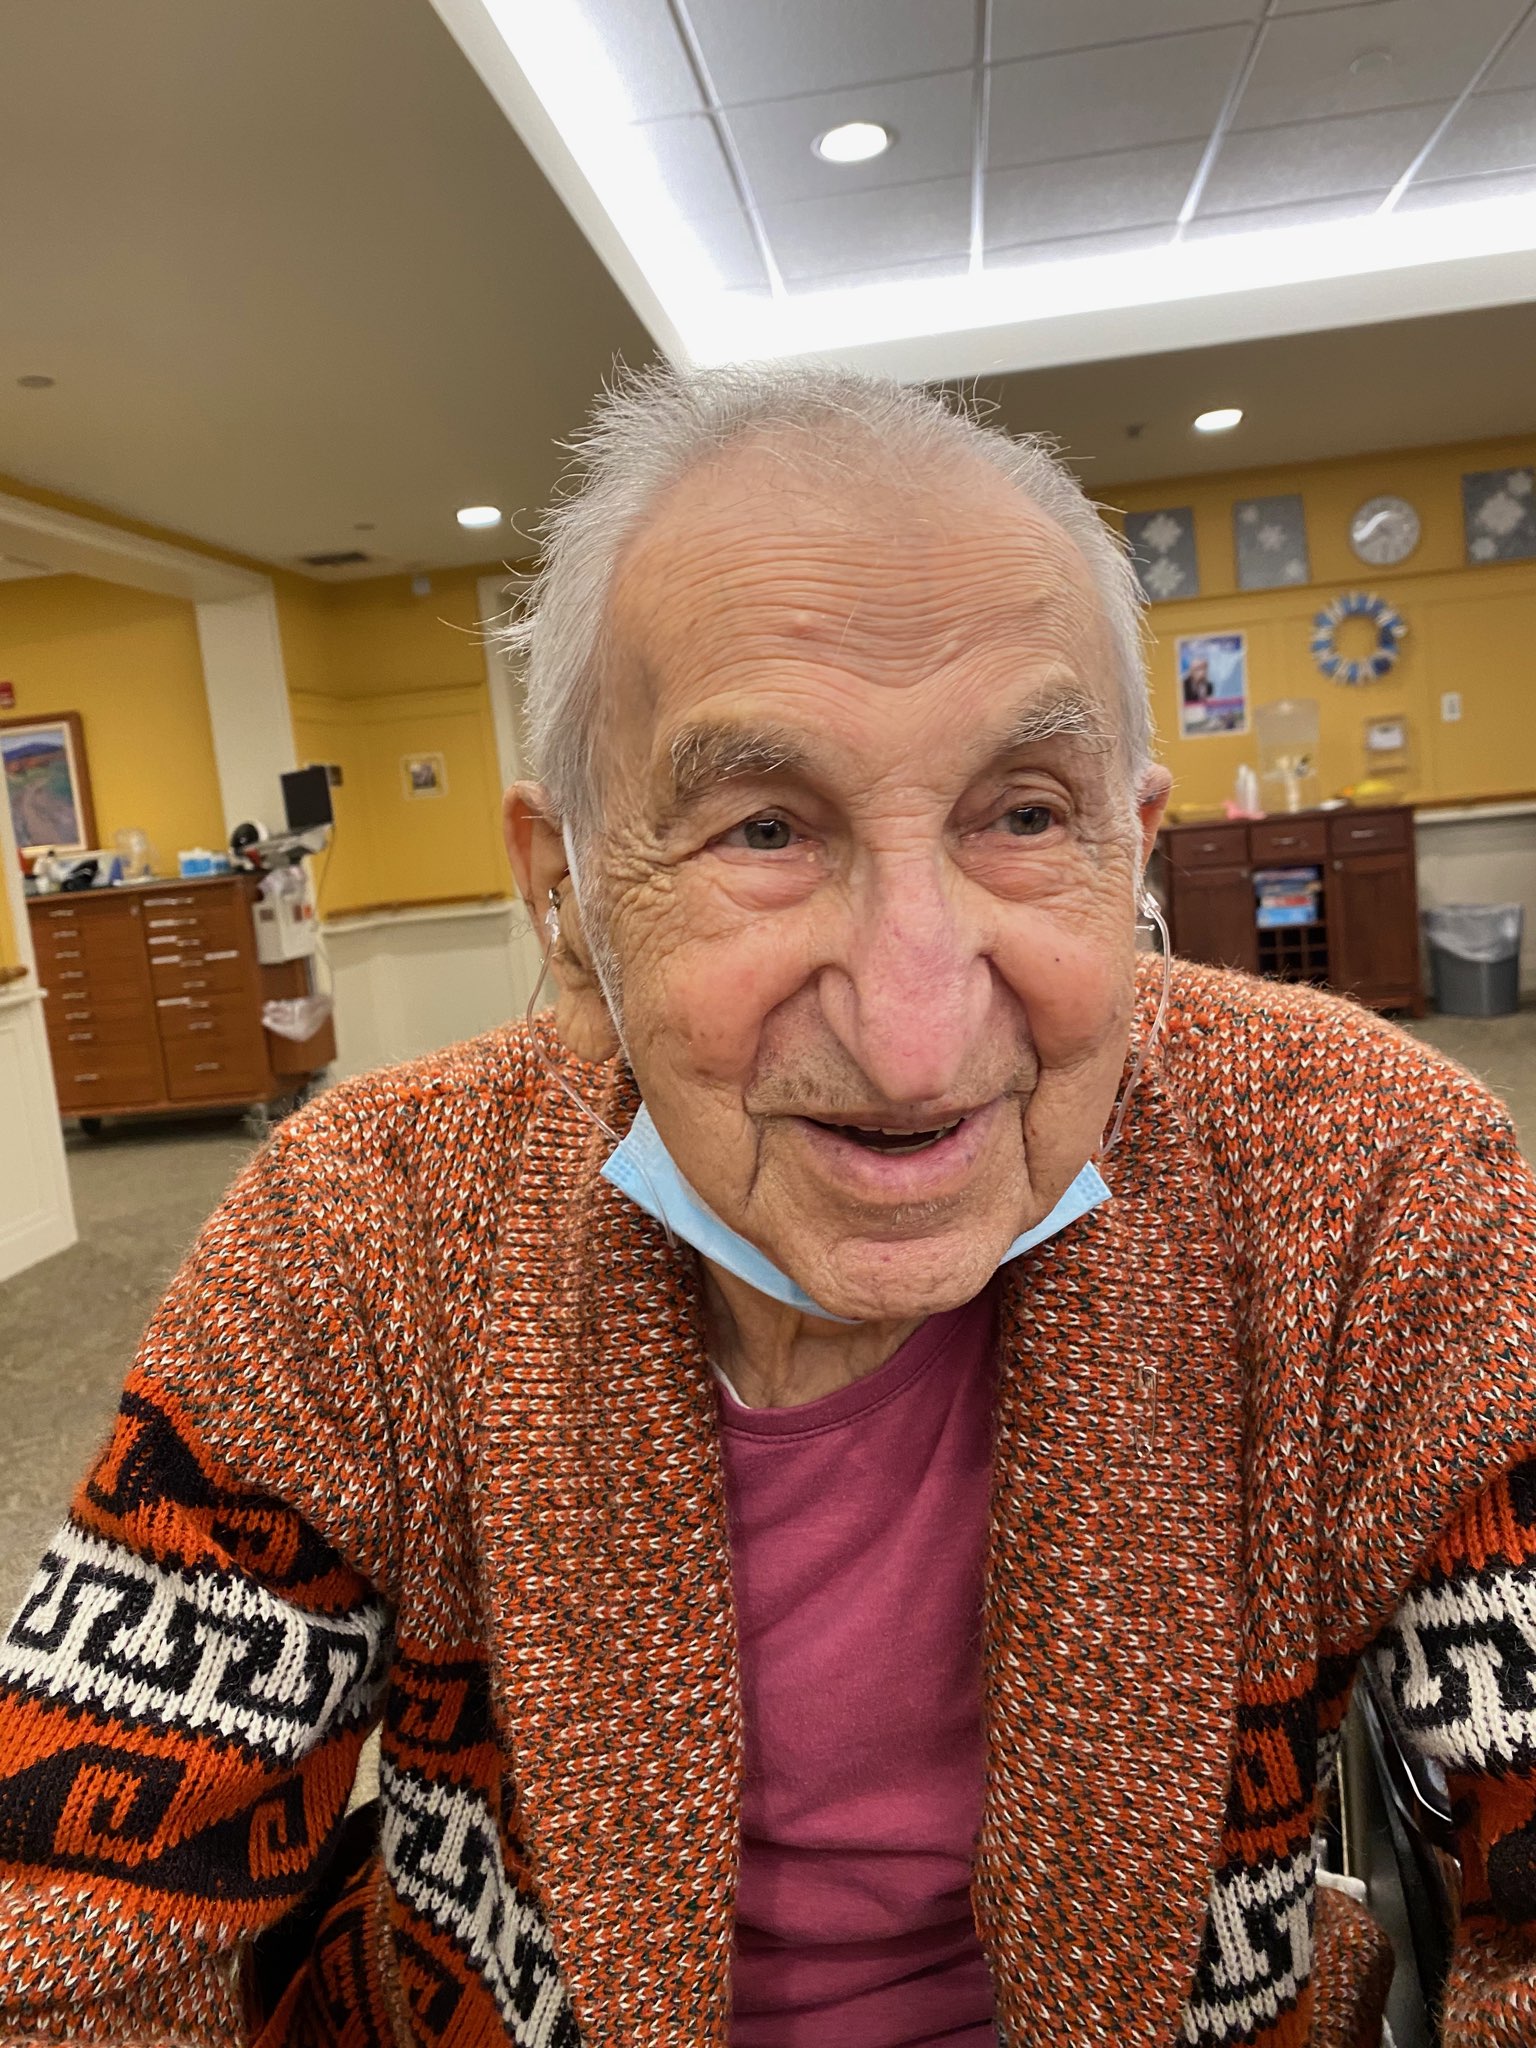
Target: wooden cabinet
point(153, 998)
point(1365, 939)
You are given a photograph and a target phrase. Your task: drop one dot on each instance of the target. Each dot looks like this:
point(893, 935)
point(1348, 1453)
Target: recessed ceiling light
point(1221, 420)
point(855, 142)
point(37, 382)
point(478, 515)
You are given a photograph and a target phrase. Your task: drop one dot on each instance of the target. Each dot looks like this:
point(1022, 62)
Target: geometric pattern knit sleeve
point(183, 1696)
point(1458, 1663)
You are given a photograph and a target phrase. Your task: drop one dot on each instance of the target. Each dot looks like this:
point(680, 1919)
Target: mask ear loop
point(551, 923)
point(1151, 919)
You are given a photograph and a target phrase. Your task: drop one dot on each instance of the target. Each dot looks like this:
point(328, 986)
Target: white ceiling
point(294, 272)
point(1127, 135)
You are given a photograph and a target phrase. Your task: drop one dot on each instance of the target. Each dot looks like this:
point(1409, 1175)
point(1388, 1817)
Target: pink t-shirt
point(859, 1528)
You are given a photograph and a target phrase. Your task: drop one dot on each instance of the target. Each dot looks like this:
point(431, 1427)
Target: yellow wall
point(376, 672)
point(1470, 629)
point(129, 663)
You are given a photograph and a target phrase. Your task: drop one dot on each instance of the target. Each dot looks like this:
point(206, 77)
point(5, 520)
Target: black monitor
point(307, 798)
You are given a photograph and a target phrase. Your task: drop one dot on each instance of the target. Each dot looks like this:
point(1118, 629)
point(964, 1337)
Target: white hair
point(651, 428)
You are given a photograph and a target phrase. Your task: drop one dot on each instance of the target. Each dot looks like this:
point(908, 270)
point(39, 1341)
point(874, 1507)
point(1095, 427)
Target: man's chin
point(880, 1282)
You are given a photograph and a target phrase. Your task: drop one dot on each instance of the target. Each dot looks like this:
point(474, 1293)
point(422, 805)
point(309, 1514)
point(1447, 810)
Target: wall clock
point(1384, 531)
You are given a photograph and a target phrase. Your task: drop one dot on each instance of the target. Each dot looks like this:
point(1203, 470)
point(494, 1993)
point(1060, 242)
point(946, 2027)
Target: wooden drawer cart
point(1366, 942)
point(153, 998)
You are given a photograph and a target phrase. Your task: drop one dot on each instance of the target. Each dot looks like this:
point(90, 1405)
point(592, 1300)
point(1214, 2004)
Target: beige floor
point(68, 1328)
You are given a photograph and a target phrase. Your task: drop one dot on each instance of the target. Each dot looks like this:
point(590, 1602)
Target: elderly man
point(855, 1464)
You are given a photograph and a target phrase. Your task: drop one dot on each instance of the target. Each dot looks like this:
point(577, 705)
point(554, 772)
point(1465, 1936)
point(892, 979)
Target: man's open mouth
point(879, 1140)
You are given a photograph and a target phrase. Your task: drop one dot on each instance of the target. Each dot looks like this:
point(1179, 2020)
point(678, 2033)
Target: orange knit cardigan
point(422, 1436)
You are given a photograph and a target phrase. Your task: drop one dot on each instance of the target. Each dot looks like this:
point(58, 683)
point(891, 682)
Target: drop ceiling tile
point(1517, 66)
point(1317, 159)
point(648, 55)
point(1068, 248)
point(1408, 51)
point(760, 51)
point(1496, 131)
point(692, 164)
point(862, 230)
point(1167, 90)
point(1295, 214)
point(1433, 192)
point(930, 117)
point(1128, 188)
point(1036, 28)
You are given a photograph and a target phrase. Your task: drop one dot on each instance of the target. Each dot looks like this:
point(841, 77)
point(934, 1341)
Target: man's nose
point(909, 993)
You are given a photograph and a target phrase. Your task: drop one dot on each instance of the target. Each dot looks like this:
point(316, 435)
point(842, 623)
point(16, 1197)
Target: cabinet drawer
point(196, 1073)
point(1360, 832)
point(1282, 840)
point(218, 925)
point(114, 1028)
point(222, 973)
point(69, 1012)
point(228, 1018)
point(1211, 846)
point(92, 1076)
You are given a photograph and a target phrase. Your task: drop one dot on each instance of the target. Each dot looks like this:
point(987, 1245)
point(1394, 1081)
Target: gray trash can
point(1474, 957)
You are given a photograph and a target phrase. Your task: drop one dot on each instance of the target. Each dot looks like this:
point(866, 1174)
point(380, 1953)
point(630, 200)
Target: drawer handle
point(200, 1027)
point(77, 1016)
point(87, 1077)
point(66, 953)
point(1288, 839)
point(160, 924)
point(73, 974)
point(1363, 832)
point(173, 1002)
point(61, 913)
point(82, 1037)
point(166, 902)
point(207, 1066)
point(195, 984)
point(232, 954)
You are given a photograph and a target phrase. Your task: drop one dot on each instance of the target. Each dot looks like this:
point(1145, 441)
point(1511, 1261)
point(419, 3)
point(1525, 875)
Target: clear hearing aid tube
point(1151, 918)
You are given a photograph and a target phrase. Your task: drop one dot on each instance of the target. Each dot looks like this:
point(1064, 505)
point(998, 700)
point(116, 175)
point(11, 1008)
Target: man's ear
point(1153, 789)
point(537, 854)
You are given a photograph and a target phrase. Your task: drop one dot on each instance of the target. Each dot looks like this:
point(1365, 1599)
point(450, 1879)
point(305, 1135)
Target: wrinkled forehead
point(764, 553)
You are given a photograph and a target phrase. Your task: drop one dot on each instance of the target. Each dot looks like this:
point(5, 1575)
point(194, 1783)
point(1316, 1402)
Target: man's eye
point(1028, 821)
point(765, 835)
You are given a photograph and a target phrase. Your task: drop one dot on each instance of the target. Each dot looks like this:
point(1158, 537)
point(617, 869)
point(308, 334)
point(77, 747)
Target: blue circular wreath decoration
point(1357, 604)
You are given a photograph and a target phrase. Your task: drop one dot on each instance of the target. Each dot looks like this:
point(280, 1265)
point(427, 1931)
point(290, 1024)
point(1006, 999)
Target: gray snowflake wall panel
point(1498, 508)
point(1163, 549)
point(1270, 541)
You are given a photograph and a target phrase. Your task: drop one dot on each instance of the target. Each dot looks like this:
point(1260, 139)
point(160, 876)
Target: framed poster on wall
point(1212, 669)
point(47, 784)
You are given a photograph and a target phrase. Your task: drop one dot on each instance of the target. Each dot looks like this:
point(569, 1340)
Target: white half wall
point(407, 982)
point(247, 692)
point(1482, 854)
point(37, 1216)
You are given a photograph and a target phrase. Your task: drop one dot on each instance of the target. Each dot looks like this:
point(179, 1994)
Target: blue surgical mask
point(642, 1168)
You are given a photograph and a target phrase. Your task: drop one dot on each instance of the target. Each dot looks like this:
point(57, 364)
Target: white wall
point(247, 693)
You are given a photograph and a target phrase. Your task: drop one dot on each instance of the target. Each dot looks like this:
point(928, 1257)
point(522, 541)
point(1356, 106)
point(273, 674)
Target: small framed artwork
point(1213, 684)
point(47, 784)
point(1269, 538)
point(423, 775)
